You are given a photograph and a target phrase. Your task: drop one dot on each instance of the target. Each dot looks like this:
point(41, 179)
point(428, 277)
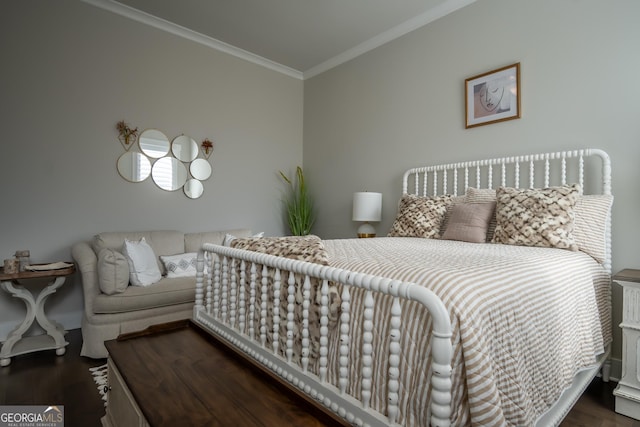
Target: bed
point(487, 304)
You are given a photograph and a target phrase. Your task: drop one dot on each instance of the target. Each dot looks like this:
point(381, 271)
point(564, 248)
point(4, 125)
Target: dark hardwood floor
point(595, 408)
point(43, 378)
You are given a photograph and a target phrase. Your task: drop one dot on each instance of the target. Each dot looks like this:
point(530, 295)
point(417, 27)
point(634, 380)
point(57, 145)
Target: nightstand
point(628, 391)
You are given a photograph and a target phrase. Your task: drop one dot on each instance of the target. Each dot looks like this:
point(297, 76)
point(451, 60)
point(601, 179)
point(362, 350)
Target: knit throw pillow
point(420, 216)
point(304, 248)
point(536, 217)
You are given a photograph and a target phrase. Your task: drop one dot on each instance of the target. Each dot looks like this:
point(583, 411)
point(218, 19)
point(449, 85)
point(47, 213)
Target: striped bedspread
point(525, 321)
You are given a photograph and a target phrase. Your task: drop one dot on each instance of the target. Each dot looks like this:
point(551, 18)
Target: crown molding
point(170, 27)
point(412, 24)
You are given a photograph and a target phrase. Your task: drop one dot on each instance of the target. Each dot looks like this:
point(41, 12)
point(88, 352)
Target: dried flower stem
point(125, 132)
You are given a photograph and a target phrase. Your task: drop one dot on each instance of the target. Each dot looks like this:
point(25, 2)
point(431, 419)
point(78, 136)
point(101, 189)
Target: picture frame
point(493, 96)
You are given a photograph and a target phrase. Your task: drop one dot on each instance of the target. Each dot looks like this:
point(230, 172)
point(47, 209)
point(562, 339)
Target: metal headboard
point(543, 170)
point(536, 170)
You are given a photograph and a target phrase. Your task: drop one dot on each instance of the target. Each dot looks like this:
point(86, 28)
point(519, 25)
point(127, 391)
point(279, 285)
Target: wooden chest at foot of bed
point(122, 409)
point(177, 374)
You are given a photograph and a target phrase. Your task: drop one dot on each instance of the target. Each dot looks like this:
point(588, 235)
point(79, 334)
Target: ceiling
point(304, 37)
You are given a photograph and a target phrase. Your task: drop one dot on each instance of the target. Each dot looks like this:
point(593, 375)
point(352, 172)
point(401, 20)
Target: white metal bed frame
point(221, 305)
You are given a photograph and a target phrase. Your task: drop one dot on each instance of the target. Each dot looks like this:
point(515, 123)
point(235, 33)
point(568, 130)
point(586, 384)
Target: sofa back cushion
point(193, 241)
point(162, 242)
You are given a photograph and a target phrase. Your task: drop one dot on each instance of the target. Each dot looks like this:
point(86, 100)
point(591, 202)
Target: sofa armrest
point(87, 262)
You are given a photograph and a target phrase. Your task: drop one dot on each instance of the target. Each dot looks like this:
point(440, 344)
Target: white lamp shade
point(367, 206)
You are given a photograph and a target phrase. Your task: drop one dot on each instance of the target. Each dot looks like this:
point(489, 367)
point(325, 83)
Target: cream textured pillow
point(420, 216)
point(143, 267)
point(181, 265)
point(536, 217)
point(469, 222)
point(590, 225)
point(113, 272)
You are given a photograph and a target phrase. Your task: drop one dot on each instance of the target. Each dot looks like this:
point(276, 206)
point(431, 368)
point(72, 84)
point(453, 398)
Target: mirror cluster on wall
point(173, 165)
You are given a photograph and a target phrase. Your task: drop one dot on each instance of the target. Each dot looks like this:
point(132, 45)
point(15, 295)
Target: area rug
point(99, 374)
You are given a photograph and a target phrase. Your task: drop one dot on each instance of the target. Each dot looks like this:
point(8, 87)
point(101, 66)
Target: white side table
point(627, 392)
point(15, 343)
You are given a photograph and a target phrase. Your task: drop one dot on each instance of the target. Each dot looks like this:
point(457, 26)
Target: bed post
point(441, 351)
point(199, 279)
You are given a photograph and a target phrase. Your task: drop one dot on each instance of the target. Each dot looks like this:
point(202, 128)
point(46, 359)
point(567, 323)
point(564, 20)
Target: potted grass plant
point(298, 204)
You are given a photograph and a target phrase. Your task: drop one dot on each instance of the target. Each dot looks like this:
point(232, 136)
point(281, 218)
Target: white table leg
point(54, 329)
point(15, 335)
point(35, 311)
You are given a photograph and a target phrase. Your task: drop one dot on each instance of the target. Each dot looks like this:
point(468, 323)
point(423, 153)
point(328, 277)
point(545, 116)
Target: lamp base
point(366, 230)
point(366, 235)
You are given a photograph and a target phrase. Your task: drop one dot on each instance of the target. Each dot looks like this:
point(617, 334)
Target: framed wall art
point(493, 96)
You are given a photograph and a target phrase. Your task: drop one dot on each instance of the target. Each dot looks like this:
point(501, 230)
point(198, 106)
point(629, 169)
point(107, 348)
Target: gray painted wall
point(402, 105)
point(72, 71)
point(69, 72)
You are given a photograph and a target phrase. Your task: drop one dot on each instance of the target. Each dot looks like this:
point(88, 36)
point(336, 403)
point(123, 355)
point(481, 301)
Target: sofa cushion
point(164, 293)
point(143, 268)
point(162, 242)
point(113, 271)
point(181, 265)
point(193, 241)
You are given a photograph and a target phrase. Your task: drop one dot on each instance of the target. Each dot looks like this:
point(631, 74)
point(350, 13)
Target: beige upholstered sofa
point(112, 306)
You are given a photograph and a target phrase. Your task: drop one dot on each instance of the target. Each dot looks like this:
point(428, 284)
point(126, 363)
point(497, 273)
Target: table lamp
point(367, 207)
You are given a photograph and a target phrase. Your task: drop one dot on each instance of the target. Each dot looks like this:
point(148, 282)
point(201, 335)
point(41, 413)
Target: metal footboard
point(222, 308)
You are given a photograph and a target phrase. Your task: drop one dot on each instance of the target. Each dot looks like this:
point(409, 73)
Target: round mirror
point(200, 169)
point(184, 148)
point(134, 166)
point(154, 143)
point(193, 189)
point(169, 173)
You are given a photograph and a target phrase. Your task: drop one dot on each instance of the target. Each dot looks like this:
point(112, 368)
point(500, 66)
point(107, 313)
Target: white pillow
point(143, 268)
point(181, 265)
point(228, 238)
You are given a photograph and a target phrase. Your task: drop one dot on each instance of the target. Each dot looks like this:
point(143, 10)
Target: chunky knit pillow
point(420, 216)
point(536, 217)
point(305, 248)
